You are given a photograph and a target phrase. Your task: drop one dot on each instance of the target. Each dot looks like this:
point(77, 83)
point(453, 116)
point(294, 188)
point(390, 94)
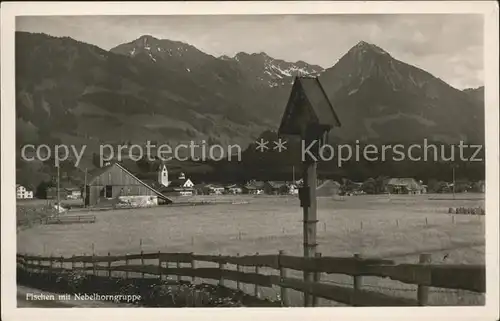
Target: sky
point(449, 46)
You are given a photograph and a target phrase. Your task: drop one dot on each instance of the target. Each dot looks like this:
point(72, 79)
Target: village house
point(292, 189)
point(273, 187)
point(181, 186)
point(404, 186)
point(67, 190)
point(52, 193)
point(280, 188)
point(214, 189)
point(73, 192)
point(23, 193)
point(114, 185)
point(328, 188)
point(254, 188)
point(233, 189)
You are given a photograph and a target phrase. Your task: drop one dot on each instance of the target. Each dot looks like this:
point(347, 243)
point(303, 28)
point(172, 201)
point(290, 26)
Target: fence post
point(238, 268)
point(357, 281)
point(283, 275)
point(193, 267)
point(423, 290)
point(316, 278)
point(142, 261)
point(93, 264)
point(109, 265)
point(256, 288)
point(72, 262)
point(93, 254)
point(50, 267)
point(62, 263)
point(221, 268)
point(126, 264)
point(84, 264)
point(178, 266)
point(159, 266)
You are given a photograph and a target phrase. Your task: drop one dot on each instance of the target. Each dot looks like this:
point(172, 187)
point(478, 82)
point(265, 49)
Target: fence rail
point(59, 219)
point(423, 274)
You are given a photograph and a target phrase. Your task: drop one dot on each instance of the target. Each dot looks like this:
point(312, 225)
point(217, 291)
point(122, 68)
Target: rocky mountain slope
point(152, 89)
point(168, 91)
point(381, 98)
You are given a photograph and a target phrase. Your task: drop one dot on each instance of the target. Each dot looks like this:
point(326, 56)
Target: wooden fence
point(424, 274)
point(59, 219)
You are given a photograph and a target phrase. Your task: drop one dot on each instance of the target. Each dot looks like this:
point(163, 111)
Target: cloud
point(450, 46)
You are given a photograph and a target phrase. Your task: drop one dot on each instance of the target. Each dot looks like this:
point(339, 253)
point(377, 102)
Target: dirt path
point(24, 302)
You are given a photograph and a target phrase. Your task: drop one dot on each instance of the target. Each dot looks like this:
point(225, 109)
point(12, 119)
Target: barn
point(113, 185)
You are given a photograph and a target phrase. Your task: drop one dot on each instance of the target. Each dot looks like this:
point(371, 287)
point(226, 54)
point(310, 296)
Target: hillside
point(75, 92)
point(171, 92)
point(381, 98)
point(476, 94)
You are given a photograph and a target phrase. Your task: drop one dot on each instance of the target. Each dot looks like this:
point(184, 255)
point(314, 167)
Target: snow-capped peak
point(364, 47)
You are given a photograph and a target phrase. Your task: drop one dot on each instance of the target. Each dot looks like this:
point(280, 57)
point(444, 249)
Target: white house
point(23, 193)
point(215, 189)
point(234, 189)
point(293, 189)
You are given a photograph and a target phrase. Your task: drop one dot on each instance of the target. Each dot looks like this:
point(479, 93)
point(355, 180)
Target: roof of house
point(95, 173)
point(213, 186)
point(318, 107)
point(72, 189)
point(327, 188)
point(409, 183)
point(178, 182)
point(276, 184)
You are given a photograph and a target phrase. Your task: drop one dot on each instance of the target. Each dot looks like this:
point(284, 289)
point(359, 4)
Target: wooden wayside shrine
point(309, 114)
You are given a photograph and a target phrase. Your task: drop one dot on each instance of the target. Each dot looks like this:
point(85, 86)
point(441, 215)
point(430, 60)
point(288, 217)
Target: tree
point(369, 186)
point(41, 189)
point(380, 184)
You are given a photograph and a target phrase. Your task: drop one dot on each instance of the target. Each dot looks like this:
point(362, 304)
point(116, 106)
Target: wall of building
point(137, 201)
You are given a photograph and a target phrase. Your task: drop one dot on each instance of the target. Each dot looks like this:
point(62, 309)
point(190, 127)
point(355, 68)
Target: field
point(385, 226)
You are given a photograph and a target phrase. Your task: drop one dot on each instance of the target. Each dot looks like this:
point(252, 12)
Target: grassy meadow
point(398, 227)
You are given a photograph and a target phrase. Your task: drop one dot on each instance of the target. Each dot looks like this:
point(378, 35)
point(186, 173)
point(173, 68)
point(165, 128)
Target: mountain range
point(171, 92)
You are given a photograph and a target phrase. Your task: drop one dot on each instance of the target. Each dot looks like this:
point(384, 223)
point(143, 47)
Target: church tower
point(163, 175)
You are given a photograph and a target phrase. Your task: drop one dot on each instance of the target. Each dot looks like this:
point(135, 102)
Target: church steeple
point(163, 175)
